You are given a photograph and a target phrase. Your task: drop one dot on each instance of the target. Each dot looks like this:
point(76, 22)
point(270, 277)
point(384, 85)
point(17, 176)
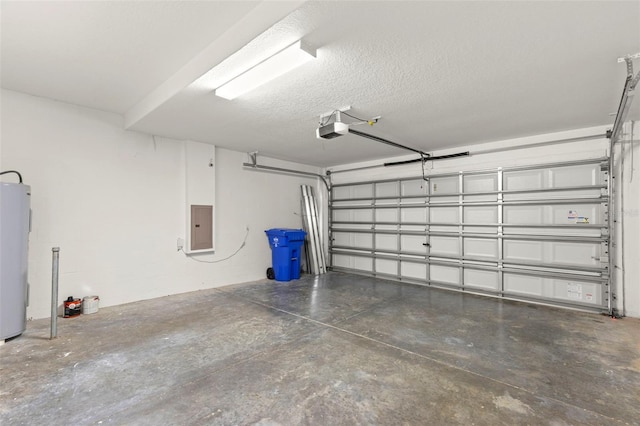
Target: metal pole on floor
point(54, 291)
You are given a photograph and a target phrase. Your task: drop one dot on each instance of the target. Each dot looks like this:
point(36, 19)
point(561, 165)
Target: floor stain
point(507, 402)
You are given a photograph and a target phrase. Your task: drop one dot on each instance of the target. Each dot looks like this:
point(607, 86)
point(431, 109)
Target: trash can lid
point(284, 231)
point(287, 234)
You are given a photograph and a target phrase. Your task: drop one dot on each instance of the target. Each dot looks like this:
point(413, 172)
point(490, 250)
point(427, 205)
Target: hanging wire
point(327, 118)
point(13, 171)
point(353, 116)
point(244, 242)
point(370, 121)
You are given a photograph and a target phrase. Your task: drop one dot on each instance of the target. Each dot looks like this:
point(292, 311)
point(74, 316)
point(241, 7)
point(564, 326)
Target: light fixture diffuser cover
point(282, 62)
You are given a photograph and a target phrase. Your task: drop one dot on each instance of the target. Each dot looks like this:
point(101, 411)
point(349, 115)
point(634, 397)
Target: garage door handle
point(426, 244)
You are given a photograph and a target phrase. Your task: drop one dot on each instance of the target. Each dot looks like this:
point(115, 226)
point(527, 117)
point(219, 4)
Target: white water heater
point(15, 220)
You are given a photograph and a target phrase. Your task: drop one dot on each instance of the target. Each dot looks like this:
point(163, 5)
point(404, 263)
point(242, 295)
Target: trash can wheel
point(271, 274)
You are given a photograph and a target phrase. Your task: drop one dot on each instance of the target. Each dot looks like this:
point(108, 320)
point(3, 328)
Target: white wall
point(628, 219)
point(200, 187)
point(113, 201)
point(506, 157)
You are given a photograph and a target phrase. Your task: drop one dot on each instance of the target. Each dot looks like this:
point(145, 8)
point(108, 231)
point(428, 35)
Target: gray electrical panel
point(14, 245)
point(201, 227)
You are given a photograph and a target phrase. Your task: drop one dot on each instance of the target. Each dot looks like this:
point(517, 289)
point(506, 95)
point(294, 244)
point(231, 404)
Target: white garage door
point(536, 233)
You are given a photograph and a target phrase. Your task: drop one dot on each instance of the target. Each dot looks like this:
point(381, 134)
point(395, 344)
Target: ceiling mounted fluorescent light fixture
point(281, 63)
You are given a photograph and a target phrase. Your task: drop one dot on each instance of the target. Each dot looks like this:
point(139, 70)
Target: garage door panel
point(353, 215)
point(386, 242)
point(342, 238)
point(481, 229)
point(480, 183)
point(522, 284)
point(413, 214)
point(340, 216)
point(362, 263)
point(353, 262)
point(342, 261)
point(481, 248)
point(529, 251)
point(387, 189)
point(577, 291)
point(444, 215)
point(445, 274)
point(518, 215)
point(363, 240)
point(574, 254)
point(444, 185)
point(487, 280)
point(414, 187)
point(387, 215)
point(412, 228)
point(414, 270)
point(523, 180)
point(353, 191)
point(485, 214)
point(576, 214)
point(588, 174)
point(355, 240)
point(448, 246)
point(413, 243)
point(385, 266)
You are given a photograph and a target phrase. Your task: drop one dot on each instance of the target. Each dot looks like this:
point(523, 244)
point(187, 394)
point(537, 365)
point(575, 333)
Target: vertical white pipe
point(54, 291)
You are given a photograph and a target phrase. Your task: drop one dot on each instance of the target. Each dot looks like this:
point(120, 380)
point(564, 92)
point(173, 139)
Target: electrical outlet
point(180, 244)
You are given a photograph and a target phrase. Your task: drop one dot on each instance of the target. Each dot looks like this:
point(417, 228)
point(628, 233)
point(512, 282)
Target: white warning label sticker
point(574, 291)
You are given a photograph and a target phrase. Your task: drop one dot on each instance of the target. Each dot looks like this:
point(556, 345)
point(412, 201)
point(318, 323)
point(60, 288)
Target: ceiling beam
point(254, 23)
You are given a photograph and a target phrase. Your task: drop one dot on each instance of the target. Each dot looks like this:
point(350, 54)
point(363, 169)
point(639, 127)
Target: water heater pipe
point(54, 291)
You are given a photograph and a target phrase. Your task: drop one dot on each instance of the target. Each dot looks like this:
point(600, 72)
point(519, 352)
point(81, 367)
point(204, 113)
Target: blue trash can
point(286, 247)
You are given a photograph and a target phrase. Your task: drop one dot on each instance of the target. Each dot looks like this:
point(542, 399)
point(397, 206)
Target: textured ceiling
point(441, 74)
point(105, 54)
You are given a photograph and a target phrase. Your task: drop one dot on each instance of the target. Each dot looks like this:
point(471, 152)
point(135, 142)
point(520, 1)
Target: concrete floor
point(338, 349)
